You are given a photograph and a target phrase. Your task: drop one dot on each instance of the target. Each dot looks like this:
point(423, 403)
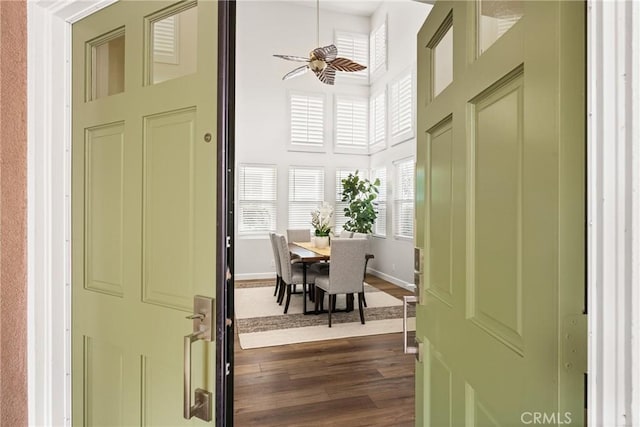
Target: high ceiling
point(354, 7)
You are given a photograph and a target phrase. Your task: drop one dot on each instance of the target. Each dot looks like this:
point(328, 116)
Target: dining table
point(308, 253)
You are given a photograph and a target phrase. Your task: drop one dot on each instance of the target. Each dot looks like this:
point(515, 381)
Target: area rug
point(260, 321)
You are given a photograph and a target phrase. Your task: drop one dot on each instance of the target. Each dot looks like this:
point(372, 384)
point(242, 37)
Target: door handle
point(407, 348)
point(202, 325)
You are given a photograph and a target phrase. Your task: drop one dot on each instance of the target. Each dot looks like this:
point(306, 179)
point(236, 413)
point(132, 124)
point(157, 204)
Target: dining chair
point(368, 256)
point(345, 234)
point(298, 235)
point(276, 261)
point(292, 273)
point(345, 275)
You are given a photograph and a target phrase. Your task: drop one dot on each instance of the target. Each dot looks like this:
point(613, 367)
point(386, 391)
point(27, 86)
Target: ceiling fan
point(323, 61)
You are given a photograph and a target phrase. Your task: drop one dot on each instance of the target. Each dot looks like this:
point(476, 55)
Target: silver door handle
point(202, 325)
point(405, 302)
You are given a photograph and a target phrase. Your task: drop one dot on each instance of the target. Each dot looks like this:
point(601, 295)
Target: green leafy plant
point(361, 194)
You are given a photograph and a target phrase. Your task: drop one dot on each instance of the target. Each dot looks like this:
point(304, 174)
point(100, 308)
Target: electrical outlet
point(272, 264)
point(393, 267)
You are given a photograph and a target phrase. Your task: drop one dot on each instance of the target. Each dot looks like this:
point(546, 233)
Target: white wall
point(394, 257)
point(266, 28)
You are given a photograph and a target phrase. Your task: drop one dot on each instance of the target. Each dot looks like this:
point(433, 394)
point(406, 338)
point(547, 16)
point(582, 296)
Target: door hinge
point(574, 343)
point(228, 242)
point(228, 368)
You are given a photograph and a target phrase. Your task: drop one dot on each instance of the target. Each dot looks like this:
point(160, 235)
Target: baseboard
point(391, 279)
point(254, 276)
point(401, 283)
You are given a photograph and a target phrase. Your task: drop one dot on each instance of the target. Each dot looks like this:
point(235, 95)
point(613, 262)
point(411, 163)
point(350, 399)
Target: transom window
point(306, 121)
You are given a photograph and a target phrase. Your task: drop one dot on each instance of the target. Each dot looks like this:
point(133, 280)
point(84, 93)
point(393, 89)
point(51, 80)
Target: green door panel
point(143, 211)
point(500, 195)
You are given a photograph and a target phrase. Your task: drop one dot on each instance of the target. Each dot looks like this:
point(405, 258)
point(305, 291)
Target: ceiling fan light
point(317, 65)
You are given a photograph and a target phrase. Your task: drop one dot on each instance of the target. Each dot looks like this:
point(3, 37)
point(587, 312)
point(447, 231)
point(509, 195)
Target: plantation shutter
point(306, 193)
point(307, 120)
point(378, 48)
point(354, 46)
point(377, 121)
point(165, 40)
point(404, 199)
point(257, 187)
point(351, 122)
point(401, 109)
point(380, 226)
point(339, 216)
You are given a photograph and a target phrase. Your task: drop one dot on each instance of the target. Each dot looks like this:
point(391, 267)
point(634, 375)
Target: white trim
point(49, 203)
point(398, 282)
point(255, 276)
point(635, 189)
point(612, 213)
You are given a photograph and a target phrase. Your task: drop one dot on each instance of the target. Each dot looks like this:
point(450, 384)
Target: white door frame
point(613, 209)
point(49, 206)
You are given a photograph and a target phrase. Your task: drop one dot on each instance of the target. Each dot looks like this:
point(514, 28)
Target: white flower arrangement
point(321, 219)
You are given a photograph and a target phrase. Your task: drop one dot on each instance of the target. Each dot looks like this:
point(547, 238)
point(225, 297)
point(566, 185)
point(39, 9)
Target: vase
point(322, 241)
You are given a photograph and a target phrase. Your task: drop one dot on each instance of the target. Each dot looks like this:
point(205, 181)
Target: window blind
point(306, 193)
point(377, 120)
point(351, 122)
point(380, 225)
point(354, 46)
point(165, 40)
point(257, 199)
point(404, 199)
point(307, 120)
point(401, 108)
point(338, 215)
point(378, 48)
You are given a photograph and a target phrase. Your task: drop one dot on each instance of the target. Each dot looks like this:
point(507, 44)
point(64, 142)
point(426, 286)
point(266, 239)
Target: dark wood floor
point(363, 381)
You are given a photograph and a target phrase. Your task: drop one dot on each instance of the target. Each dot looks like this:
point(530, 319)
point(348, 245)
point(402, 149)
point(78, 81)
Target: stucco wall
point(13, 213)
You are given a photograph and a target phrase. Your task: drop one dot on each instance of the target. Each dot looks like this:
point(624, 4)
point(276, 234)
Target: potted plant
point(321, 221)
point(362, 211)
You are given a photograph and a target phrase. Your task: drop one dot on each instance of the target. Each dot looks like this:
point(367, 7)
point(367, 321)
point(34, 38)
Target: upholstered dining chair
point(292, 273)
point(345, 275)
point(298, 235)
point(276, 261)
point(345, 234)
point(368, 251)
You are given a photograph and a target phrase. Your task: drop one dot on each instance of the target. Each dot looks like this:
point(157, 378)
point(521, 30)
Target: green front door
point(500, 216)
point(143, 208)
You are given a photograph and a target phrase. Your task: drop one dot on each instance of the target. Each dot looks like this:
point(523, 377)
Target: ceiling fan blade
point(344, 64)
point(327, 76)
point(296, 72)
point(326, 53)
point(293, 58)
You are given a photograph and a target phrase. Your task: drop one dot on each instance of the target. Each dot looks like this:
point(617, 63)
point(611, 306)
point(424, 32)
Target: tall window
point(403, 212)
point(306, 193)
point(339, 216)
point(377, 121)
point(306, 114)
point(354, 46)
point(401, 108)
point(257, 195)
point(351, 123)
point(380, 226)
point(378, 48)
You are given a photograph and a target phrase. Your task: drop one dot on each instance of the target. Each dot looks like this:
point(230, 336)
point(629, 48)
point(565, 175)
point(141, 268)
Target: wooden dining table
point(307, 253)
